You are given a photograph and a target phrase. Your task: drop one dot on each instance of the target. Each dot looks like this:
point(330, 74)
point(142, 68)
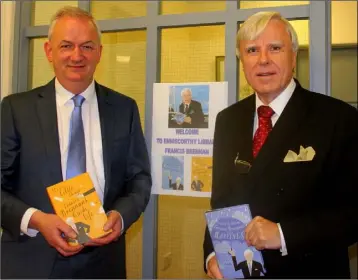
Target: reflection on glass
point(183, 7)
point(38, 60)
point(261, 4)
point(122, 65)
point(187, 55)
point(118, 9)
point(42, 11)
point(302, 68)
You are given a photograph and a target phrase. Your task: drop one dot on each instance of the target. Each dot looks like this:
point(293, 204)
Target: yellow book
point(77, 203)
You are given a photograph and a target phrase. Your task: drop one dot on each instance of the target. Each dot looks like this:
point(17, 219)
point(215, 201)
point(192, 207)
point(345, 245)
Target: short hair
point(178, 179)
point(255, 25)
point(248, 251)
point(184, 90)
point(74, 12)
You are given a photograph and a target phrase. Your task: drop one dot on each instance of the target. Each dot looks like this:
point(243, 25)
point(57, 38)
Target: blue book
point(227, 231)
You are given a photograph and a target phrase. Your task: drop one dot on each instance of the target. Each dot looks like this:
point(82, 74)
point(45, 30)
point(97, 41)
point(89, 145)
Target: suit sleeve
point(217, 185)
point(198, 116)
point(138, 179)
point(181, 108)
point(12, 209)
point(335, 222)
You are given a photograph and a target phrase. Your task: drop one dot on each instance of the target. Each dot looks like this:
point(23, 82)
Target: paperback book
point(227, 230)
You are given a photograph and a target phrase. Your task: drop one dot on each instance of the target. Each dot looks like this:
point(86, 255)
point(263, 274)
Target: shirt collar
point(280, 102)
point(63, 95)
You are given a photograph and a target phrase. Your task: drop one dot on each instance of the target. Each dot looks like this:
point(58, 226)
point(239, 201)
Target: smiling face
point(269, 60)
point(74, 50)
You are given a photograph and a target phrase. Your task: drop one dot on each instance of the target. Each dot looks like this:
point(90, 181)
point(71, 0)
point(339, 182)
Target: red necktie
point(265, 126)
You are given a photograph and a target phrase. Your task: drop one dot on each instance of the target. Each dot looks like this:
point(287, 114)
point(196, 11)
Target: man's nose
point(264, 57)
point(77, 54)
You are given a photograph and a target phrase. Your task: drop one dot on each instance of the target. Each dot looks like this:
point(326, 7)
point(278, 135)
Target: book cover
point(227, 230)
point(76, 202)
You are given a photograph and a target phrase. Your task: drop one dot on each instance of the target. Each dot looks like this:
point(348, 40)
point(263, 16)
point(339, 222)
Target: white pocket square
point(305, 154)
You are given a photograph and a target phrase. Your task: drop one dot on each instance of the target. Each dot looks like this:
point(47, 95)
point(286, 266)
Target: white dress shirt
point(278, 104)
point(93, 139)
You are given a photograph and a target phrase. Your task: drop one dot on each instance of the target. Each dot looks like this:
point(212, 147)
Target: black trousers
point(90, 263)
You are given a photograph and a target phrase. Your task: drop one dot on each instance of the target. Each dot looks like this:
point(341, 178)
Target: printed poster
point(182, 137)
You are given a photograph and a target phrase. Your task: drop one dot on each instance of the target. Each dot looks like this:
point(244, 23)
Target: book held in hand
point(227, 231)
point(76, 202)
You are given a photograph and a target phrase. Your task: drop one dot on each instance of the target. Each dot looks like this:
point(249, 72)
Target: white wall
point(7, 41)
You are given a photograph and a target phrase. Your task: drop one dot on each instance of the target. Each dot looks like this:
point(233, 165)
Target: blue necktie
point(76, 160)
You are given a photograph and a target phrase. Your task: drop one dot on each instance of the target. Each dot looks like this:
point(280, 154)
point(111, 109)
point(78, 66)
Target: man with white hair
point(55, 132)
point(194, 116)
point(178, 186)
point(196, 184)
point(302, 149)
point(249, 267)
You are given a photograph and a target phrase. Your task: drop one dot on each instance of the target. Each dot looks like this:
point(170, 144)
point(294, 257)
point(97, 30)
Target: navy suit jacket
point(31, 161)
point(315, 202)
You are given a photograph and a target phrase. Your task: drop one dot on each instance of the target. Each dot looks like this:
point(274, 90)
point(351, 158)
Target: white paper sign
point(182, 138)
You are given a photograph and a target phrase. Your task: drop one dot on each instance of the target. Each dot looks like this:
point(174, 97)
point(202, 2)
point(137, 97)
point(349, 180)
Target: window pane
point(42, 11)
point(183, 7)
point(302, 72)
point(38, 60)
point(118, 9)
point(122, 65)
point(187, 55)
point(262, 4)
point(122, 68)
point(344, 51)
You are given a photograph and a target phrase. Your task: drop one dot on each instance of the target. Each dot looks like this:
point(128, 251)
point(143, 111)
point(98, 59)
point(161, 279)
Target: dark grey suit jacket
point(315, 202)
point(30, 162)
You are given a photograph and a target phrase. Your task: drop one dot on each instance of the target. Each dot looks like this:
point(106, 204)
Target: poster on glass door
point(184, 117)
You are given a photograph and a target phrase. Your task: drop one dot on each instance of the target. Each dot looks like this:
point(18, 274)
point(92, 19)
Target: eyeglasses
point(243, 167)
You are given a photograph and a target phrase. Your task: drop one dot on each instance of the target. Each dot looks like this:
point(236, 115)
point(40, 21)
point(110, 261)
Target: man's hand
point(213, 269)
point(232, 253)
point(52, 227)
point(187, 119)
point(114, 222)
point(262, 234)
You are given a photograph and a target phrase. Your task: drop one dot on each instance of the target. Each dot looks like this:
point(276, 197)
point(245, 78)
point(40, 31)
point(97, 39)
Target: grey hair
point(74, 12)
point(255, 25)
point(184, 90)
point(248, 251)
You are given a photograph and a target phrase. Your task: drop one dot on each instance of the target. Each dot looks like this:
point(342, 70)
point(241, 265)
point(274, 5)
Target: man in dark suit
point(301, 150)
point(70, 126)
point(197, 184)
point(249, 267)
point(194, 116)
point(178, 186)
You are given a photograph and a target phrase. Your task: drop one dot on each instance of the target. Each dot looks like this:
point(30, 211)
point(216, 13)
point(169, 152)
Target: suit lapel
point(106, 114)
point(286, 127)
point(47, 114)
point(244, 131)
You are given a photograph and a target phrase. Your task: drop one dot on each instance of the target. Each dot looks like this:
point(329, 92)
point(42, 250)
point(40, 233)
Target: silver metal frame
point(318, 13)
